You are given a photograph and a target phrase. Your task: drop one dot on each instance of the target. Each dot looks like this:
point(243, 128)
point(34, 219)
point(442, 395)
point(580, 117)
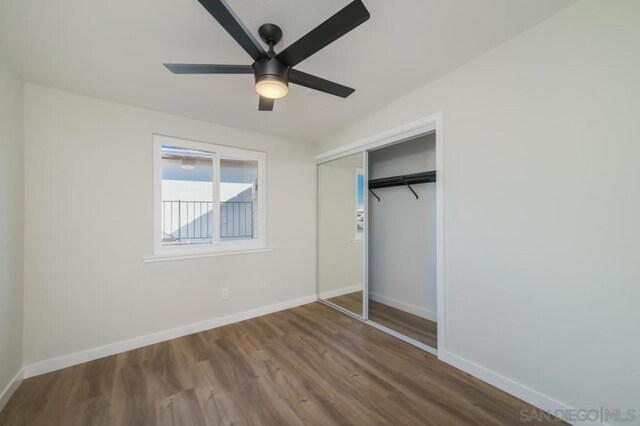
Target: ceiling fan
point(273, 72)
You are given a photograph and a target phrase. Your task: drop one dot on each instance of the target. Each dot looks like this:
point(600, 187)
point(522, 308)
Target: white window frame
point(218, 151)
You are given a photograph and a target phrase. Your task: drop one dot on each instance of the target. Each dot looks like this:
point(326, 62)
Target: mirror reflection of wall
point(340, 232)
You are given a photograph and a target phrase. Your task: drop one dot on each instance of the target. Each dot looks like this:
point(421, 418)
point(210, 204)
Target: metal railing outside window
point(189, 222)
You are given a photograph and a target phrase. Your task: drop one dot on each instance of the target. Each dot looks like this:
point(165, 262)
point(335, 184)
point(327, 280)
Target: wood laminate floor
point(418, 328)
point(306, 365)
point(352, 302)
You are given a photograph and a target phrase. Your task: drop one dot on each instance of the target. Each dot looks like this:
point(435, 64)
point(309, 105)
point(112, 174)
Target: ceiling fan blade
point(265, 104)
point(232, 24)
point(352, 15)
point(209, 69)
point(312, 82)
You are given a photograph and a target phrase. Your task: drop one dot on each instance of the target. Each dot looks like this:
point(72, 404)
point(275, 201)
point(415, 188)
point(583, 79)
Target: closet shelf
point(402, 180)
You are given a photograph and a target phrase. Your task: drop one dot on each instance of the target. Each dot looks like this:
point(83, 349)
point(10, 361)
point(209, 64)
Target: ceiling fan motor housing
point(270, 68)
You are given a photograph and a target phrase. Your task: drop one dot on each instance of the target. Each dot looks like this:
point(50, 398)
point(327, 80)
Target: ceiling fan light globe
point(272, 87)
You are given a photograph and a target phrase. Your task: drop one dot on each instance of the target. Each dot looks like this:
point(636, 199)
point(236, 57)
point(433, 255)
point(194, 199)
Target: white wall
point(340, 268)
point(89, 215)
point(541, 203)
point(402, 230)
point(11, 225)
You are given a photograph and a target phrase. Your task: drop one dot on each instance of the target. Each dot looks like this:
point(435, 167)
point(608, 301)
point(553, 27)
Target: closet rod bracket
point(374, 194)
point(409, 186)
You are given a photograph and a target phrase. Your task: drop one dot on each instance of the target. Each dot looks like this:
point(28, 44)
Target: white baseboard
point(11, 388)
point(406, 307)
point(533, 397)
point(340, 291)
point(150, 339)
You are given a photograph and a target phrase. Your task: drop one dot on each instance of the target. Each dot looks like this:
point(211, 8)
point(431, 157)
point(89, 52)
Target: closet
point(377, 234)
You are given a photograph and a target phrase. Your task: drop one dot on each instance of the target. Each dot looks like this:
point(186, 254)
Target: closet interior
point(377, 233)
point(402, 238)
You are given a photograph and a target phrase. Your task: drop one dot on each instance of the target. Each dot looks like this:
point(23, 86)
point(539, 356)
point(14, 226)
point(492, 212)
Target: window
point(207, 197)
point(359, 216)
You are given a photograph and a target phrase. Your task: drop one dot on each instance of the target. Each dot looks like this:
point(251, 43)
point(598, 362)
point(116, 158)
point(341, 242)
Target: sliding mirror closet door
point(402, 239)
point(341, 232)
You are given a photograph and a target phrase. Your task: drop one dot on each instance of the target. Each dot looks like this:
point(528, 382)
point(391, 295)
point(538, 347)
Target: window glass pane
point(187, 196)
point(238, 199)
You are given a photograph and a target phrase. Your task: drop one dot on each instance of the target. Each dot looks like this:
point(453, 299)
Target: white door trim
point(398, 134)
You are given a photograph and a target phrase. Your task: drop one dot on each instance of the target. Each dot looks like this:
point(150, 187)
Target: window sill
point(229, 252)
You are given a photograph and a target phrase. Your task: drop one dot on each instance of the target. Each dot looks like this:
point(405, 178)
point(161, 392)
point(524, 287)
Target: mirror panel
point(341, 232)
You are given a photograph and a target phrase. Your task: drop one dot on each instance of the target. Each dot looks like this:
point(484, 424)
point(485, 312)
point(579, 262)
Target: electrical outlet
point(225, 293)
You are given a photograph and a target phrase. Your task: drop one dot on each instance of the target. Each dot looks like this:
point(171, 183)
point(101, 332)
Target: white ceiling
point(114, 49)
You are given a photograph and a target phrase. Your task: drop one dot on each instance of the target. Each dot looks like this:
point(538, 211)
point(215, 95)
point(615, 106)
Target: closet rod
point(402, 180)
